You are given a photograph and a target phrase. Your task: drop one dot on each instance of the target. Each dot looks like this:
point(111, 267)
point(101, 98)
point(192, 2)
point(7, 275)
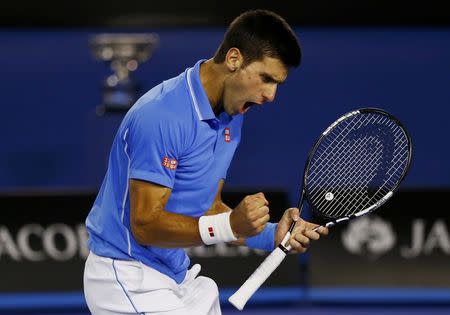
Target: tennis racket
point(353, 168)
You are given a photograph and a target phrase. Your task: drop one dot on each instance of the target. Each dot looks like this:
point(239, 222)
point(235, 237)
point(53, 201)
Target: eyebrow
point(271, 78)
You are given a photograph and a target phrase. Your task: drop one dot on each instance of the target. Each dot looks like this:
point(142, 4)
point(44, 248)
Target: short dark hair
point(258, 34)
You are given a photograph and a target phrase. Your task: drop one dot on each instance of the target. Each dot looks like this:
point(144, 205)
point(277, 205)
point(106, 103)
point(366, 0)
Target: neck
point(212, 76)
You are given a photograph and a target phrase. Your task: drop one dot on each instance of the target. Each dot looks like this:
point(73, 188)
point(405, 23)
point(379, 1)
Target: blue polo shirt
point(170, 137)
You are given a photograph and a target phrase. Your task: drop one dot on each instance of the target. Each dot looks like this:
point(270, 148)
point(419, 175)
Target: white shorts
point(114, 286)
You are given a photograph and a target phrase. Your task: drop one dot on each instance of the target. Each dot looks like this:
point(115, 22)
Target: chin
point(230, 111)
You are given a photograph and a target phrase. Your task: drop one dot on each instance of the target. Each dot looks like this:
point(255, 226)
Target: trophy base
point(119, 97)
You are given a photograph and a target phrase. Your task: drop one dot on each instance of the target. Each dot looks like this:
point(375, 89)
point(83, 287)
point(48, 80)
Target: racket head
point(356, 164)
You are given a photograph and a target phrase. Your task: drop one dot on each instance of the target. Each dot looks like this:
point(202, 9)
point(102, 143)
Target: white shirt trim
point(191, 91)
point(125, 194)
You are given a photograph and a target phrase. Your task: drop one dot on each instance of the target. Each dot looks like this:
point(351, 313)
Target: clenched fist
point(250, 216)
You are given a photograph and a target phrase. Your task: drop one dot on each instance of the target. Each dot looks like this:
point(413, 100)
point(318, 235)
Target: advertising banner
point(43, 245)
point(406, 243)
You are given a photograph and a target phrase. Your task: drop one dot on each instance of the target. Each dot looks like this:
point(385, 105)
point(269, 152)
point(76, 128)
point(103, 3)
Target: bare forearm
point(152, 225)
point(168, 229)
point(171, 230)
point(218, 207)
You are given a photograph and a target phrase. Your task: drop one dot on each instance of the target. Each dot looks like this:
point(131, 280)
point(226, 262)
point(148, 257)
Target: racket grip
point(245, 292)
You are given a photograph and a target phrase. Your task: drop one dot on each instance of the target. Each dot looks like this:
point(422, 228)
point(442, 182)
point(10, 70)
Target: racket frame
point(379, 203)
point(275, 258)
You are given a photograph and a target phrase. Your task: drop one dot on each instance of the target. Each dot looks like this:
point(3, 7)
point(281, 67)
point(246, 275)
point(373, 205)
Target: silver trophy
point(125, 52)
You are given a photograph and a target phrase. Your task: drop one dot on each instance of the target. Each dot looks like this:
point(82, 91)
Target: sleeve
point(264, 240)
point(154, 145)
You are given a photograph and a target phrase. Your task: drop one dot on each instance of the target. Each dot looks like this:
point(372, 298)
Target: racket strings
point(398, 165)
point(360, 200)
point(361, 197)
point(330, 149)
point(359, 162)
point(377, 195)
point(339, 171)
point(348, 185)
point(337, 168)
point(333, 162)
point(336, 163)
point(336, 143)
point(338, 177)
point(330, 142)
point(352, 196)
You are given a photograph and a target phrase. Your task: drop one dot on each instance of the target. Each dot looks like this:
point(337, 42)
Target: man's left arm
point(303, 232)
point(301, 237)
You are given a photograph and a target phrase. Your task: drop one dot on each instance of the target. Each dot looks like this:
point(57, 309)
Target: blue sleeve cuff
point(264, 240)
point(153, 177)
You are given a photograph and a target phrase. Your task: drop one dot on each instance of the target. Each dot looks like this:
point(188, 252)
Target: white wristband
point(216, 228)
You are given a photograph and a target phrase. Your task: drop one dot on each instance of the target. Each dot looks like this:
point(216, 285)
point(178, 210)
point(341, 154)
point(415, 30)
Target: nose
point(269, 93)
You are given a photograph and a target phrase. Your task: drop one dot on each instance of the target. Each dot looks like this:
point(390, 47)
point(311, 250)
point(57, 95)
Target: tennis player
point(168, 162)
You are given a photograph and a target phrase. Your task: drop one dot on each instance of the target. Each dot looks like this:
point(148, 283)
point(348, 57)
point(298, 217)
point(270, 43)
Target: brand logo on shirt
point(227, 135)
point(169, 163)
point(211, 231)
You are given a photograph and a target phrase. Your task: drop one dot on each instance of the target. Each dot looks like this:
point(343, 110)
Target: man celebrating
point(168, 162)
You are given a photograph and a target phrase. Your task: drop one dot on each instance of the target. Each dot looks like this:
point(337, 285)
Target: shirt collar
point(199, 98)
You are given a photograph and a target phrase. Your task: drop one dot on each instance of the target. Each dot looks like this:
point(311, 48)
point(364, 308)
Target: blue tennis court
point(276, 301)
point(299, 309)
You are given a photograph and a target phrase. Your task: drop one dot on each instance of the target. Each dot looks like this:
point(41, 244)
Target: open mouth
point(246, 107)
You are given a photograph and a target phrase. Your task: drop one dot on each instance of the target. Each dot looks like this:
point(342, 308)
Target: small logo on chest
point(169, 163)
point(227, 135)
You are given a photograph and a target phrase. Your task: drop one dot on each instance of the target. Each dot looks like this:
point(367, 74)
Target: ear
point(234, 59)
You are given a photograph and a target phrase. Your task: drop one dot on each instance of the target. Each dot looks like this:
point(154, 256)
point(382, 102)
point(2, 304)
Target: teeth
point(243, 110)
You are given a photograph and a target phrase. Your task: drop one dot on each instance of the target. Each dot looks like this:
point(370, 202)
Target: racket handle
point(241, 296)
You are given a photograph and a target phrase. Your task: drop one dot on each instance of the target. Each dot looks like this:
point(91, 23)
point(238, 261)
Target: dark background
point(140, 13)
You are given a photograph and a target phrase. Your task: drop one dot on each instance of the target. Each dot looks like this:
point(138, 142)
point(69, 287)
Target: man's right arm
point(151, 224)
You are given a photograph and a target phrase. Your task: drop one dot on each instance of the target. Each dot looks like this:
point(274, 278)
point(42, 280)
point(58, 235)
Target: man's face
point(253, 85)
